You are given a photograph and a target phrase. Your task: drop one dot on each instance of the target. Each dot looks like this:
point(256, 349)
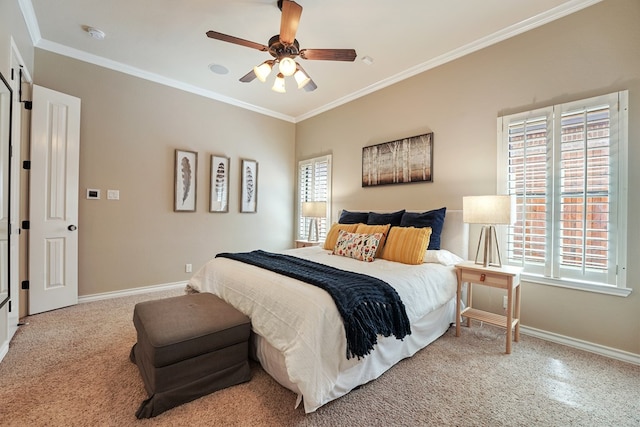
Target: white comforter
point(302, 322)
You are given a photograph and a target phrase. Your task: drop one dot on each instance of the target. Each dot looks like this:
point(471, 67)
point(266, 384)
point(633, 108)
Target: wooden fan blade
point(236, 40)
point(310, 87)
point(329, 54)
point(248, 77)
point(291, 12)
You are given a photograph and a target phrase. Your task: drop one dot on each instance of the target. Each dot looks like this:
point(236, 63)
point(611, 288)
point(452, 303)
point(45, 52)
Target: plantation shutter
point(587, 187)
point(565, 165)
point(314, 185)
point(528, 180)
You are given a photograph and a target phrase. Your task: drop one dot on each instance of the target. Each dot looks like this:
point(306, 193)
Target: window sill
point(580, 286)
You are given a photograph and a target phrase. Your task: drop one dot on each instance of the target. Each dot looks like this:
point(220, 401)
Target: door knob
point(72, 228)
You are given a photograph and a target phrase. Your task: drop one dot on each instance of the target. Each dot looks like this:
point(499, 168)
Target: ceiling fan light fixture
point(263, 70)
point(301, 78)
point(284, 50)
point(287, 66)
point(278, 84)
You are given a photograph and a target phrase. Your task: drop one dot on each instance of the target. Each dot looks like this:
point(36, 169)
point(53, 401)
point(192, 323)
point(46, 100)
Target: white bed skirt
point(386, 354)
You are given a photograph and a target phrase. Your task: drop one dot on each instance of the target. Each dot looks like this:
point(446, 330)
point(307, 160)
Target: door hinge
point(26, 225)
point(26, 164)
point(27, 104)
point(24, 285)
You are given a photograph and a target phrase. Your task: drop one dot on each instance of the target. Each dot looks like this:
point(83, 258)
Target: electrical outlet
point(187, 268)
point(505, 300)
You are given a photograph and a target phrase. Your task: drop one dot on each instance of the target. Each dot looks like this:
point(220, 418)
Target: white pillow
point(441, 256)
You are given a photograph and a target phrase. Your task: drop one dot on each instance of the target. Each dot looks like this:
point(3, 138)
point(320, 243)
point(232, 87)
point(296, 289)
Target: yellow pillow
point(332, 235)
point(372, 229)
point(406, 244)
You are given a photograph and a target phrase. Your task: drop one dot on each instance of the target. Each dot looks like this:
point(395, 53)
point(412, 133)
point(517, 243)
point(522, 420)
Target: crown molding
point(528, 24)
point(506, 33)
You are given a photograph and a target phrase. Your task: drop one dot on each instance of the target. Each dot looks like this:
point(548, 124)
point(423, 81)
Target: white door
point(20, 116)
point(53, 200)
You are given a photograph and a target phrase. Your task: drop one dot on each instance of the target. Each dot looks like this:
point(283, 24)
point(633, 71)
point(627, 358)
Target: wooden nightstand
point(506, 277)
point(306, 243)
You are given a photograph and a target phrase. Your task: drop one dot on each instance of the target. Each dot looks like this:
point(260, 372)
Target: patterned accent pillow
point(406, 245)
point(332, 235)
point(372, 229)
point(357, 246)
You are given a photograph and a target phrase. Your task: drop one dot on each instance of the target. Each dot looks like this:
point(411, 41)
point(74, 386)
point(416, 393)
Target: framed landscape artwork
point(219, 198)
point(397, 162)
point(186, 170)
point(249, 186)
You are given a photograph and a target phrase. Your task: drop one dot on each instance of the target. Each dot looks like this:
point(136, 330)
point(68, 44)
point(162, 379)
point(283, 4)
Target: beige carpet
point(70, 367)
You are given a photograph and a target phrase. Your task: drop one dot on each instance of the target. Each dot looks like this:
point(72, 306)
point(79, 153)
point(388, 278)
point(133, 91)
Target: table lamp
point(488, 211)
point(314, 210)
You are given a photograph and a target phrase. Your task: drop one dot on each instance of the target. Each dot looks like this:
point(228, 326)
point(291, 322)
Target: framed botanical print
point(249, 186)
point(219, 198)
point(186, 171)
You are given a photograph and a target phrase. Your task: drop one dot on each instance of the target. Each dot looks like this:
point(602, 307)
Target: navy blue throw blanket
point(368, 306)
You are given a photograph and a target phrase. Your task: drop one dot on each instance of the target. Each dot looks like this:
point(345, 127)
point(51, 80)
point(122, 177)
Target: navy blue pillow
point(392, 218)
point(347, 217)
point(433, 219)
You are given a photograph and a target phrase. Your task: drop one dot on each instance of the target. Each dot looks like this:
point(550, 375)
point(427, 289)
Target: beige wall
point(129, 131)
point(12, 25)
point(592, 52)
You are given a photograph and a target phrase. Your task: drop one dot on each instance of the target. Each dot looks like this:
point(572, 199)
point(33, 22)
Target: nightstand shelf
point(487, 317)
point(306, 243)
point(507, 278)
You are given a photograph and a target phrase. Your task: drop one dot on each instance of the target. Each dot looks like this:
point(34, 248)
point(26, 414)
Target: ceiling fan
point(284, 48)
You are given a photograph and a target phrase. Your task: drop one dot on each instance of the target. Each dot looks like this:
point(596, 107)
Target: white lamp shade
point(287, 66)
point(262, 71)
point(278, 84)
point(488, 209)
point(314, 209)
point(301, 78)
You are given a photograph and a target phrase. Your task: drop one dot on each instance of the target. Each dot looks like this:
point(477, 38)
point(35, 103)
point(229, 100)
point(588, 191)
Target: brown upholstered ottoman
point(188, 346)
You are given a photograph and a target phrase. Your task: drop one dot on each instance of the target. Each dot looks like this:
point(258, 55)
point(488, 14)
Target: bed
point(299, 338)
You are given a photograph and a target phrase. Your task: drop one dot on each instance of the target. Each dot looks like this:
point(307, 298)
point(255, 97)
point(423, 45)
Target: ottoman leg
point(132, 354)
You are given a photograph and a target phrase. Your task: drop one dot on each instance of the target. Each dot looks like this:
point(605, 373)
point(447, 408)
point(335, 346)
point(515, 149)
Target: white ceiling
point(165, 41)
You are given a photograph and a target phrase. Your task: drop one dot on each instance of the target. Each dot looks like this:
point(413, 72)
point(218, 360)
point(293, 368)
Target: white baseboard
point(602, 350)
point(4, 350)
point(134, 291)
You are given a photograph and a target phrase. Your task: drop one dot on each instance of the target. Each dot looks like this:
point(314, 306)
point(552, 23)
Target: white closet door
point(53, 236)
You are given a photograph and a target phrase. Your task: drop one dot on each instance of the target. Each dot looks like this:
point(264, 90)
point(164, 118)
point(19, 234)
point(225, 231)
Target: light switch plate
point(113, 194)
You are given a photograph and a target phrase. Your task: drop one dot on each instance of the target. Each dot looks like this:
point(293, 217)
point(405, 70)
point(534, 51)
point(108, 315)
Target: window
point(566, 165)
point(314, 185)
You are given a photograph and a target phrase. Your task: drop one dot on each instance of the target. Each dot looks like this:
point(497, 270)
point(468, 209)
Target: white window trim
point(622, 207)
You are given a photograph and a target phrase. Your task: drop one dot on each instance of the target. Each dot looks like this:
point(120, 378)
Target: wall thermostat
point(93, 194)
